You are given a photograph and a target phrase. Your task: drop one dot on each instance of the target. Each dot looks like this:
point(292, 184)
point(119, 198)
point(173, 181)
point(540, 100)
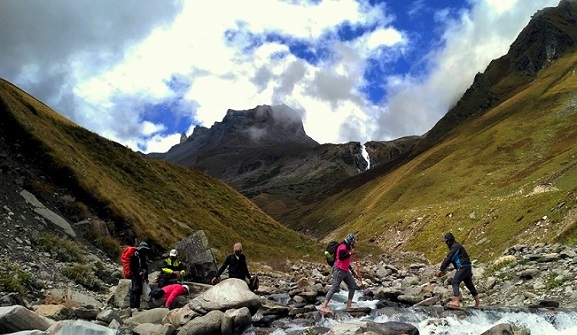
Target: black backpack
point(156, 293)
point(331, 251)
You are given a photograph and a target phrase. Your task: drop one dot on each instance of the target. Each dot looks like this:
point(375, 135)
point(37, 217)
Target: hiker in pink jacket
point(342, 272)
point(173, 291)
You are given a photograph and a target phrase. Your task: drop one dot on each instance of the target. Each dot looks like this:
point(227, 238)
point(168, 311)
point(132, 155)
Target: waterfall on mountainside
point(366, 156)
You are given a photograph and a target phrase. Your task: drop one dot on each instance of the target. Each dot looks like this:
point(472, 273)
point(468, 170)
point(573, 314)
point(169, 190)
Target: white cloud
point(104, 71)
point(159, 143)
point(384, 37)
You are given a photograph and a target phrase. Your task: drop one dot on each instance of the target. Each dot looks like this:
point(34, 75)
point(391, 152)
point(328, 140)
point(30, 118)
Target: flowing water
point(366, 156)
point(473, 322)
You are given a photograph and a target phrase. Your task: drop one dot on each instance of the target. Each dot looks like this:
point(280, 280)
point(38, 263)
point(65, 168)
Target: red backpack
point(125, 260)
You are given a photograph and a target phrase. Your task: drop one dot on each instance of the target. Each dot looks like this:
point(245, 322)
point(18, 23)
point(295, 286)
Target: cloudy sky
point(141, 72)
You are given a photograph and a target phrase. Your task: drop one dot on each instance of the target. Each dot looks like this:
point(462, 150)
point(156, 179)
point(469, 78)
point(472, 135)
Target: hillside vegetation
point(503, 177)
point(139, 198)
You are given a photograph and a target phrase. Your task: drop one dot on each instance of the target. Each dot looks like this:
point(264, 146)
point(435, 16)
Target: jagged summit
point(275, 129)
point(263, 125)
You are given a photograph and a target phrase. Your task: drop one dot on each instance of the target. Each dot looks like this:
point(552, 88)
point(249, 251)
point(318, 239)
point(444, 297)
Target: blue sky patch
point(164, 113)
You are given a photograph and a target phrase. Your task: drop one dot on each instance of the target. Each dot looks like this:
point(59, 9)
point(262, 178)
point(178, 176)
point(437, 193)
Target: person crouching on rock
point(172, 271)
point(342, 272)
point(172, 292)
point(460, 259)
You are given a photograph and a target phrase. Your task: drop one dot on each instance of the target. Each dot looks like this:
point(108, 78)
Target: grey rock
point(18, 318)
point(230, 293)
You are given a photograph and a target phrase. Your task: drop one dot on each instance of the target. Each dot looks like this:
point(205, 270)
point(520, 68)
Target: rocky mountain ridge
point(550, 33)
point(263, 126)
point(265, 154)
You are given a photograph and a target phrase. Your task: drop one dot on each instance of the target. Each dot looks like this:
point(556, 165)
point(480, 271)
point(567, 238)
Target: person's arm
point(223, 267)
point(352, 270)
point(452, 252)
point(166, 270)
point(181, 269)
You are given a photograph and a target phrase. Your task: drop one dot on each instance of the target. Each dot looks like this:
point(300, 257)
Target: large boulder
point(122, 293)
point(241, 319)
point(155, 315)
point(154, 329)
point(180, 316)
point(54, 312)
point(197, 254)
point(18, 318)
point(392, 328)
point(209, 324)
point(229, 294)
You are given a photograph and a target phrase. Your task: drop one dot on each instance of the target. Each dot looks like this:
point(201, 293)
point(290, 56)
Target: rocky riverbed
point(524, 278)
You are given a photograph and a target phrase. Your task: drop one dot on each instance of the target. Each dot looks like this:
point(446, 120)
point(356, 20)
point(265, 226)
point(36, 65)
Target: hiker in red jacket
point(173, 291)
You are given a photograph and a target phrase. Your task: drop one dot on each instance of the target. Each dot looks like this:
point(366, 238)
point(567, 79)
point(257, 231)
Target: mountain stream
point(436, 321)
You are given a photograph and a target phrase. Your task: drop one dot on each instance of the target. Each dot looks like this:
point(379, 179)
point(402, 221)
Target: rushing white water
point(563, 323)
point(476, 322)
point(366, 156)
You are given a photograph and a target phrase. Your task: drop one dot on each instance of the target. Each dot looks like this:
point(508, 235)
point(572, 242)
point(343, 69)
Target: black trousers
point(465, 275)
point(136, 291)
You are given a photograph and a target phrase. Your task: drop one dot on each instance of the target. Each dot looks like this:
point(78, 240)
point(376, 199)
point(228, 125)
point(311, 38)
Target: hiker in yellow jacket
point(172, 271)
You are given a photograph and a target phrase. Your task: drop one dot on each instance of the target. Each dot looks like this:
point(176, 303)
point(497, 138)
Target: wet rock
point(507, 329)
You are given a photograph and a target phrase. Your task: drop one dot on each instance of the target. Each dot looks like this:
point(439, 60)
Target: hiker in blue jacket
point(460, 259)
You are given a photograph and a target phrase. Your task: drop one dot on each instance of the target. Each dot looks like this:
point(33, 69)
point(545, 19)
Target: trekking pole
point(358, 266)
point(359, 273)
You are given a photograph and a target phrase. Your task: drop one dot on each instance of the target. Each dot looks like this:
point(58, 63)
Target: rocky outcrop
point(196, 252)
point(244, 131)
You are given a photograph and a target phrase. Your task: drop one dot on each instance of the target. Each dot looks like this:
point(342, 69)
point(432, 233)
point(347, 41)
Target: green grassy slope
point(148, 199)
point(492, 180)
point(549, 34)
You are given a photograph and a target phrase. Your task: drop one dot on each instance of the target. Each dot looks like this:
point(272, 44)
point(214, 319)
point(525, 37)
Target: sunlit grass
point(504, 177)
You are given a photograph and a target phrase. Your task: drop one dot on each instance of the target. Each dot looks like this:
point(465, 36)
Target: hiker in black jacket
point(139, 270)
point(460, 259)
point(237, 267)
